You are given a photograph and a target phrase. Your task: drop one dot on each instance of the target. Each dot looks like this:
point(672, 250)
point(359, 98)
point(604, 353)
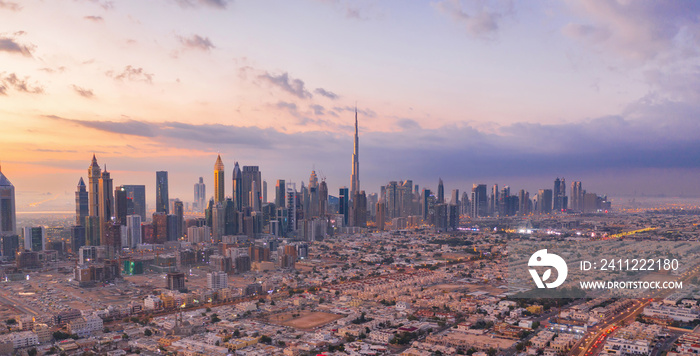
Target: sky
point(505, 92)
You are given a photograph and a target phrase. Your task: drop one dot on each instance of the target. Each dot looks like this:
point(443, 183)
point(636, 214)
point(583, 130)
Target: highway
point(593, 343)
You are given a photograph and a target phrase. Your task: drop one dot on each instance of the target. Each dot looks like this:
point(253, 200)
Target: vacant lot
point(306, 320)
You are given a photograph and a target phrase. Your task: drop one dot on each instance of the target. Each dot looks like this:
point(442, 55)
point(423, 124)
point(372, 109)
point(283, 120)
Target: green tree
point(148, 332)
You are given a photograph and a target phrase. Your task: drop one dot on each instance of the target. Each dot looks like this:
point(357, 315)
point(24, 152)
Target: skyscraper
point(137, 194)
point(359, 209)
point(479, 201)
point(523, 202)
point(179, 212)
point(355, 161)
point(440, 192)
point(8, 215)
point(313, 209)
point(106, 203)
point(133, 230)
point(343, 206)
point(251, 180)
point(81, 203)
point(577, 194)
point(544, 201)
point(559, 192)
point(493, 203)
point(200, 195)
point(381, 215)
point(280, 190)
point(238, 187)
point(219, 180)
point(121, 205)
point(264, 192)
point(162, 200)
point(94, 174)
point(34, 238)
point(323, 198)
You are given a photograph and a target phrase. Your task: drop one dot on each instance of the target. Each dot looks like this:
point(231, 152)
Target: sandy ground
point(306, 320)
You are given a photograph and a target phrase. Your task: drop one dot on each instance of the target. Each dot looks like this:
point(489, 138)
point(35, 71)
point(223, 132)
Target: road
point(593, 343)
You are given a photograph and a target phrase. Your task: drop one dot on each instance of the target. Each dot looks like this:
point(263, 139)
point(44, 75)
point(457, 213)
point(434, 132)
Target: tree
point(266, 339)
point(148, 332)
point(125, 336)
point(32, 352)
point(215, 318)
point(10, 321)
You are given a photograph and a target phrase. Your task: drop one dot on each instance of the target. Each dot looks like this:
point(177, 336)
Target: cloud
point(326, 93)
point(94, 18)
point(284, 82)
point(60, 69)
point(197, 42)
point(217, 4)
point(86, 93)
point(408, 124)
point(318, 110)
point(9, 5)
point(479, 18)
point(133, 74)
point(21, 85)
point(128, 127)
point(639, 30)
point(364, 112)
point(106, 5)
point(8, 44)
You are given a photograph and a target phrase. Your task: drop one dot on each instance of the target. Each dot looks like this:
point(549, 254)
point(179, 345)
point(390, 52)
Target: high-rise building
point(313, 205)
point(355, 187)
point(162, 198)
point(381, 215)
point(264, 192)
point(544, 201)
point(179, 212)
point(323, 198)
point(280, 190)
point(121, 205)
point(292, 203)
point(219, 180)
point(343, 205)
point(10, 246)
point(137, 195)
point(133, 230)
point(577, 195)
point(559, 192)
point(493, 203)
point(405, 192)
point(440, 192)
point(238, 187)
point(425, 204)
point(34, 238)
point(176, 281)
point(251, 181)
point(106, 203)
point(82, 202)
point(455, 197)
point(359, 209)
point(254, 196)
point(200, 196)
point(393, 201)
point(8, 215)
point(479, 201)
point(94, 175)
point(160, 227)
point(523, 202)
point(217, 280)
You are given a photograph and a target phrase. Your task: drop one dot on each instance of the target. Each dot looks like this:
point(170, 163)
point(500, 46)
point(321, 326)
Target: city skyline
point(603, 93)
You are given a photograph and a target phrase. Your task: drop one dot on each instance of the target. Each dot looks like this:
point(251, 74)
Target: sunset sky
point(514, 93)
